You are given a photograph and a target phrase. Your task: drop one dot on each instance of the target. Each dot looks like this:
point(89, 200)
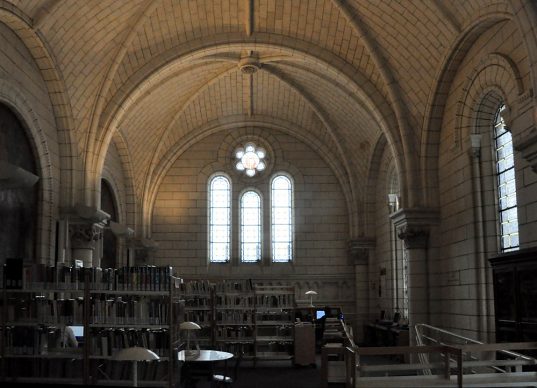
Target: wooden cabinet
point(515, 295)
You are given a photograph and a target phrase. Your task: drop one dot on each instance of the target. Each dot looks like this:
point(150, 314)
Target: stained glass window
point(250, 159)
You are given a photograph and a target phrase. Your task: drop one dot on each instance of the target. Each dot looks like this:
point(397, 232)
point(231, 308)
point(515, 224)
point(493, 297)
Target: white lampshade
point(189, 326)
point(136, 354)
point(310, 293)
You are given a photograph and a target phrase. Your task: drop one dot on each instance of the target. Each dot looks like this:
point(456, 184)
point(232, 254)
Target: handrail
point(424, 325)
point(450, 371)
point(353, 355)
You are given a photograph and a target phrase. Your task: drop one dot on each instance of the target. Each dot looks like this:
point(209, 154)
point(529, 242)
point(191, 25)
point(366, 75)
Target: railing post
point(350, 366)
point(324, 368)
point(459, 367)
point(447, 369)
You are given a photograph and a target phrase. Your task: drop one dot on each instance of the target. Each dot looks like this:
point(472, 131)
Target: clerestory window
point(506, 184)
point(251, 233)
point(250, 221)
point(282, 219)
point(219, 219)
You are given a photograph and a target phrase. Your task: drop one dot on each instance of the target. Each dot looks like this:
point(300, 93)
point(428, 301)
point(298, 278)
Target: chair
point(226, 381)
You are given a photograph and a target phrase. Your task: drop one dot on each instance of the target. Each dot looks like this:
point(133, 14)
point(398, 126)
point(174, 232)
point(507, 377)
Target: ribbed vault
point(164, 72)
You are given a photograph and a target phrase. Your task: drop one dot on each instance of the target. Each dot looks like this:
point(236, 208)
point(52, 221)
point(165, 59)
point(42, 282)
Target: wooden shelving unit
point(235, 317)
point(136, 306)
point(256, 321)
point(275, 306)
point(199, 308)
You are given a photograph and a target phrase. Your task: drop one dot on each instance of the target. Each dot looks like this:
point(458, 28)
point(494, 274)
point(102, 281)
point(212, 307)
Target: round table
point(204, 356)
point(206, 359)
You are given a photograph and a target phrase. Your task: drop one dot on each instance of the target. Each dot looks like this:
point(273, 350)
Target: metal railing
point(450, 369)
point(431, 335)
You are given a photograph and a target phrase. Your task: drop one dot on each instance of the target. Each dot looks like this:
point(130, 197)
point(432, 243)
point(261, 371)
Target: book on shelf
point(245, 332)
point(196, 287)
point(130, 310)
point(234, 286)
point(44, 277)
point(43, 369)
point(108, 342)
point(118, 308)
point(235, 316)
point(37, 340)
point(230, 301)
point(141, 278)
point(40, 309)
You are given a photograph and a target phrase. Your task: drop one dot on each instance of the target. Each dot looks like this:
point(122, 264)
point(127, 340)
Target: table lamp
point(135, 354)
point(310, 293)
point(189, 327)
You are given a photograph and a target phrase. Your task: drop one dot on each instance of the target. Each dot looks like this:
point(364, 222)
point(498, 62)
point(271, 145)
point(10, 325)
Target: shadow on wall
point(18, 207)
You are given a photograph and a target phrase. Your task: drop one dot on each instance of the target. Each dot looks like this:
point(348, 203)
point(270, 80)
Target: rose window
point(250, 159)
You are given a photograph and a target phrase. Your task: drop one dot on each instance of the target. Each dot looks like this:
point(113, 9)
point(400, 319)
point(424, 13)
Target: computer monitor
point(319, 314)
point(78, 331)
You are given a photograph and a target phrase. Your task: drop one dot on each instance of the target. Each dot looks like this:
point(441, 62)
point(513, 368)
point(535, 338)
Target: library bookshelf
point(117, 308)
point(275, 307)
point(235, 317)
point(198, 297)
point(254, 320)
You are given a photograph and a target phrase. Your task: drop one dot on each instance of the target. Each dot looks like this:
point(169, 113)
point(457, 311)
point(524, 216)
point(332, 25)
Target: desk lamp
point(135, 354)
point(189, 327)
point(310, 293)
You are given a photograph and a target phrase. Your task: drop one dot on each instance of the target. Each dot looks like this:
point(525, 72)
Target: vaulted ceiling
point(160, 73)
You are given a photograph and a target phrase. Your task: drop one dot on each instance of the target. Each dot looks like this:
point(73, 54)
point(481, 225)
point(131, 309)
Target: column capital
point(413, 225)
point(83, 235)
point(528, 148)
point(85, 230)
point(359, 249)
point(413, 238)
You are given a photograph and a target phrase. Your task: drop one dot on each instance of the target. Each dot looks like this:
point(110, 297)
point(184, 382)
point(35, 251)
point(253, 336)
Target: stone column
point(412, 227)
point(361, 251)
point(125, 236)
